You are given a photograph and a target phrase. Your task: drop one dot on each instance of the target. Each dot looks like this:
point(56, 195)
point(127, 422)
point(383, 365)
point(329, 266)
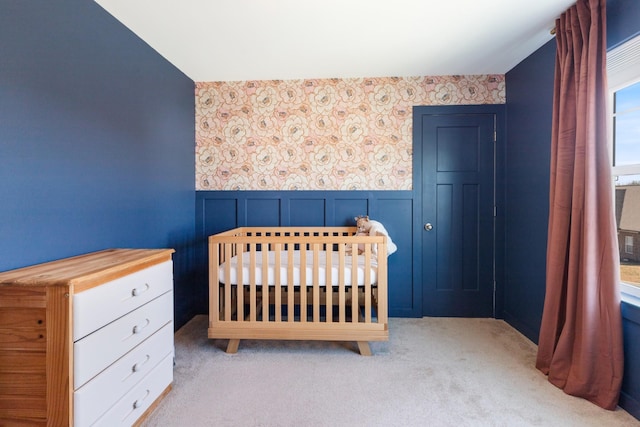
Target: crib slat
point(290, 288)
point(367, 283)
point(316, 283)
point(265, 283)
point(227, 285)
point(328, 287)
point(303, 283)
point(253, 305)
point(355, 289)
point(278, 282)
point(341, 285)
point(240, 287)
point(383, 283)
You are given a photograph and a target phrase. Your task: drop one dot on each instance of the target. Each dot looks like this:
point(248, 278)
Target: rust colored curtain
point(580, 346)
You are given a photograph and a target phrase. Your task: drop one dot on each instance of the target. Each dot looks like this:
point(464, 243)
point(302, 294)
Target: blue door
point(457, 186)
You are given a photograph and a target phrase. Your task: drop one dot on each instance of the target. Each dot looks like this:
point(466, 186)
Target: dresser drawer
point(128, 409)
point(98, 395)
point(97, 351)
point(98, 306)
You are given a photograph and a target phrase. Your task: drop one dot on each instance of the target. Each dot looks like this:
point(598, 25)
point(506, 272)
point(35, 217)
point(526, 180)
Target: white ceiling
point(230, 40)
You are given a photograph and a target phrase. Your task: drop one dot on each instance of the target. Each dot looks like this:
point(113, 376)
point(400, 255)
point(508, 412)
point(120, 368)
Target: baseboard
point(521, 327)
point(629, 404)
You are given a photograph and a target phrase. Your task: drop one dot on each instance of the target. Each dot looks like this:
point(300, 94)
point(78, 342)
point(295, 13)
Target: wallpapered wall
point(328, 134)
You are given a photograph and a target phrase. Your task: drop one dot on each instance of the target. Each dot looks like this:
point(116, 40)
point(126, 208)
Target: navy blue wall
point(223, 210)
point(623, 21)
point(96, 140)
point(529, 109)
point(630, 394)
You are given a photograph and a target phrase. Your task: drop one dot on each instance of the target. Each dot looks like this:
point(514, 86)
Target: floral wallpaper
point(325, 134)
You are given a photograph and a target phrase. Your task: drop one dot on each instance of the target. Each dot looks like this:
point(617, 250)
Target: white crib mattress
point(284, 262)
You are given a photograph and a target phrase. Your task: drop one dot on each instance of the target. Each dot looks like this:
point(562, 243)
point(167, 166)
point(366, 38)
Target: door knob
point(428, 226)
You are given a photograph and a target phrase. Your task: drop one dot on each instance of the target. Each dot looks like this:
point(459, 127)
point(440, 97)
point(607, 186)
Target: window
point(628, 244)
point(623, 73)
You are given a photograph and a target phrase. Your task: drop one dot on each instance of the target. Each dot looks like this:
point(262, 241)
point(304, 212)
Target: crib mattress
point(308, 268)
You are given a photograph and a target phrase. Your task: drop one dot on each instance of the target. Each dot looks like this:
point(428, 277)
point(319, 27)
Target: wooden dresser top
point(85, 271)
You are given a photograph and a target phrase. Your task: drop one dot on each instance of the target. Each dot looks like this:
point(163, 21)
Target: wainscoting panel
point(307, 212)
point(223, 210)
point(345, 210)
point(261, 212)
point(389, 213)
point(218, 215)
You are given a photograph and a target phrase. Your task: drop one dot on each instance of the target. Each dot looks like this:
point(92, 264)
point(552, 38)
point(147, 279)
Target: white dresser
point(100, 328)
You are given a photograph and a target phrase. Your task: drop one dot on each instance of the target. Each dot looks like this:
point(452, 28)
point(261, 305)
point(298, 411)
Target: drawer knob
point(138, 402)
point(138, 291)
point(138, 328)
point(136, 367)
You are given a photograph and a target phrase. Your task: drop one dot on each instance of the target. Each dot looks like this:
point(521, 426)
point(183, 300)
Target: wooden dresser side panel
point(23, 340)
point(59, 360)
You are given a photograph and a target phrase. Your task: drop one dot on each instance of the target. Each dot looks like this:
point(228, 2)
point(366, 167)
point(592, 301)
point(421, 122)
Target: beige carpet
point(432, 372)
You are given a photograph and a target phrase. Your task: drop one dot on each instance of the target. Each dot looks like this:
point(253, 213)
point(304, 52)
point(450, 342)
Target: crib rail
point(320, 304)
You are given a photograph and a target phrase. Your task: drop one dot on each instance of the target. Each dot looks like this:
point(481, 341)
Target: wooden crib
point(298, 283)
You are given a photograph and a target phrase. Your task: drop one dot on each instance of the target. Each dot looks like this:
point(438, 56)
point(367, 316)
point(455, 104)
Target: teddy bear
point(363, 226)
point(366, 227)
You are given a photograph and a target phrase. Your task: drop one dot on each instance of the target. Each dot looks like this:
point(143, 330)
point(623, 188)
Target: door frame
point(499, 111)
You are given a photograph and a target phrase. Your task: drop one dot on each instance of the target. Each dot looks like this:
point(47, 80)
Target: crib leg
point(364, 348)
point(232, 347)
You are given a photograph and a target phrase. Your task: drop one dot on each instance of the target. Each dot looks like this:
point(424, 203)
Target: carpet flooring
point(432, 372)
